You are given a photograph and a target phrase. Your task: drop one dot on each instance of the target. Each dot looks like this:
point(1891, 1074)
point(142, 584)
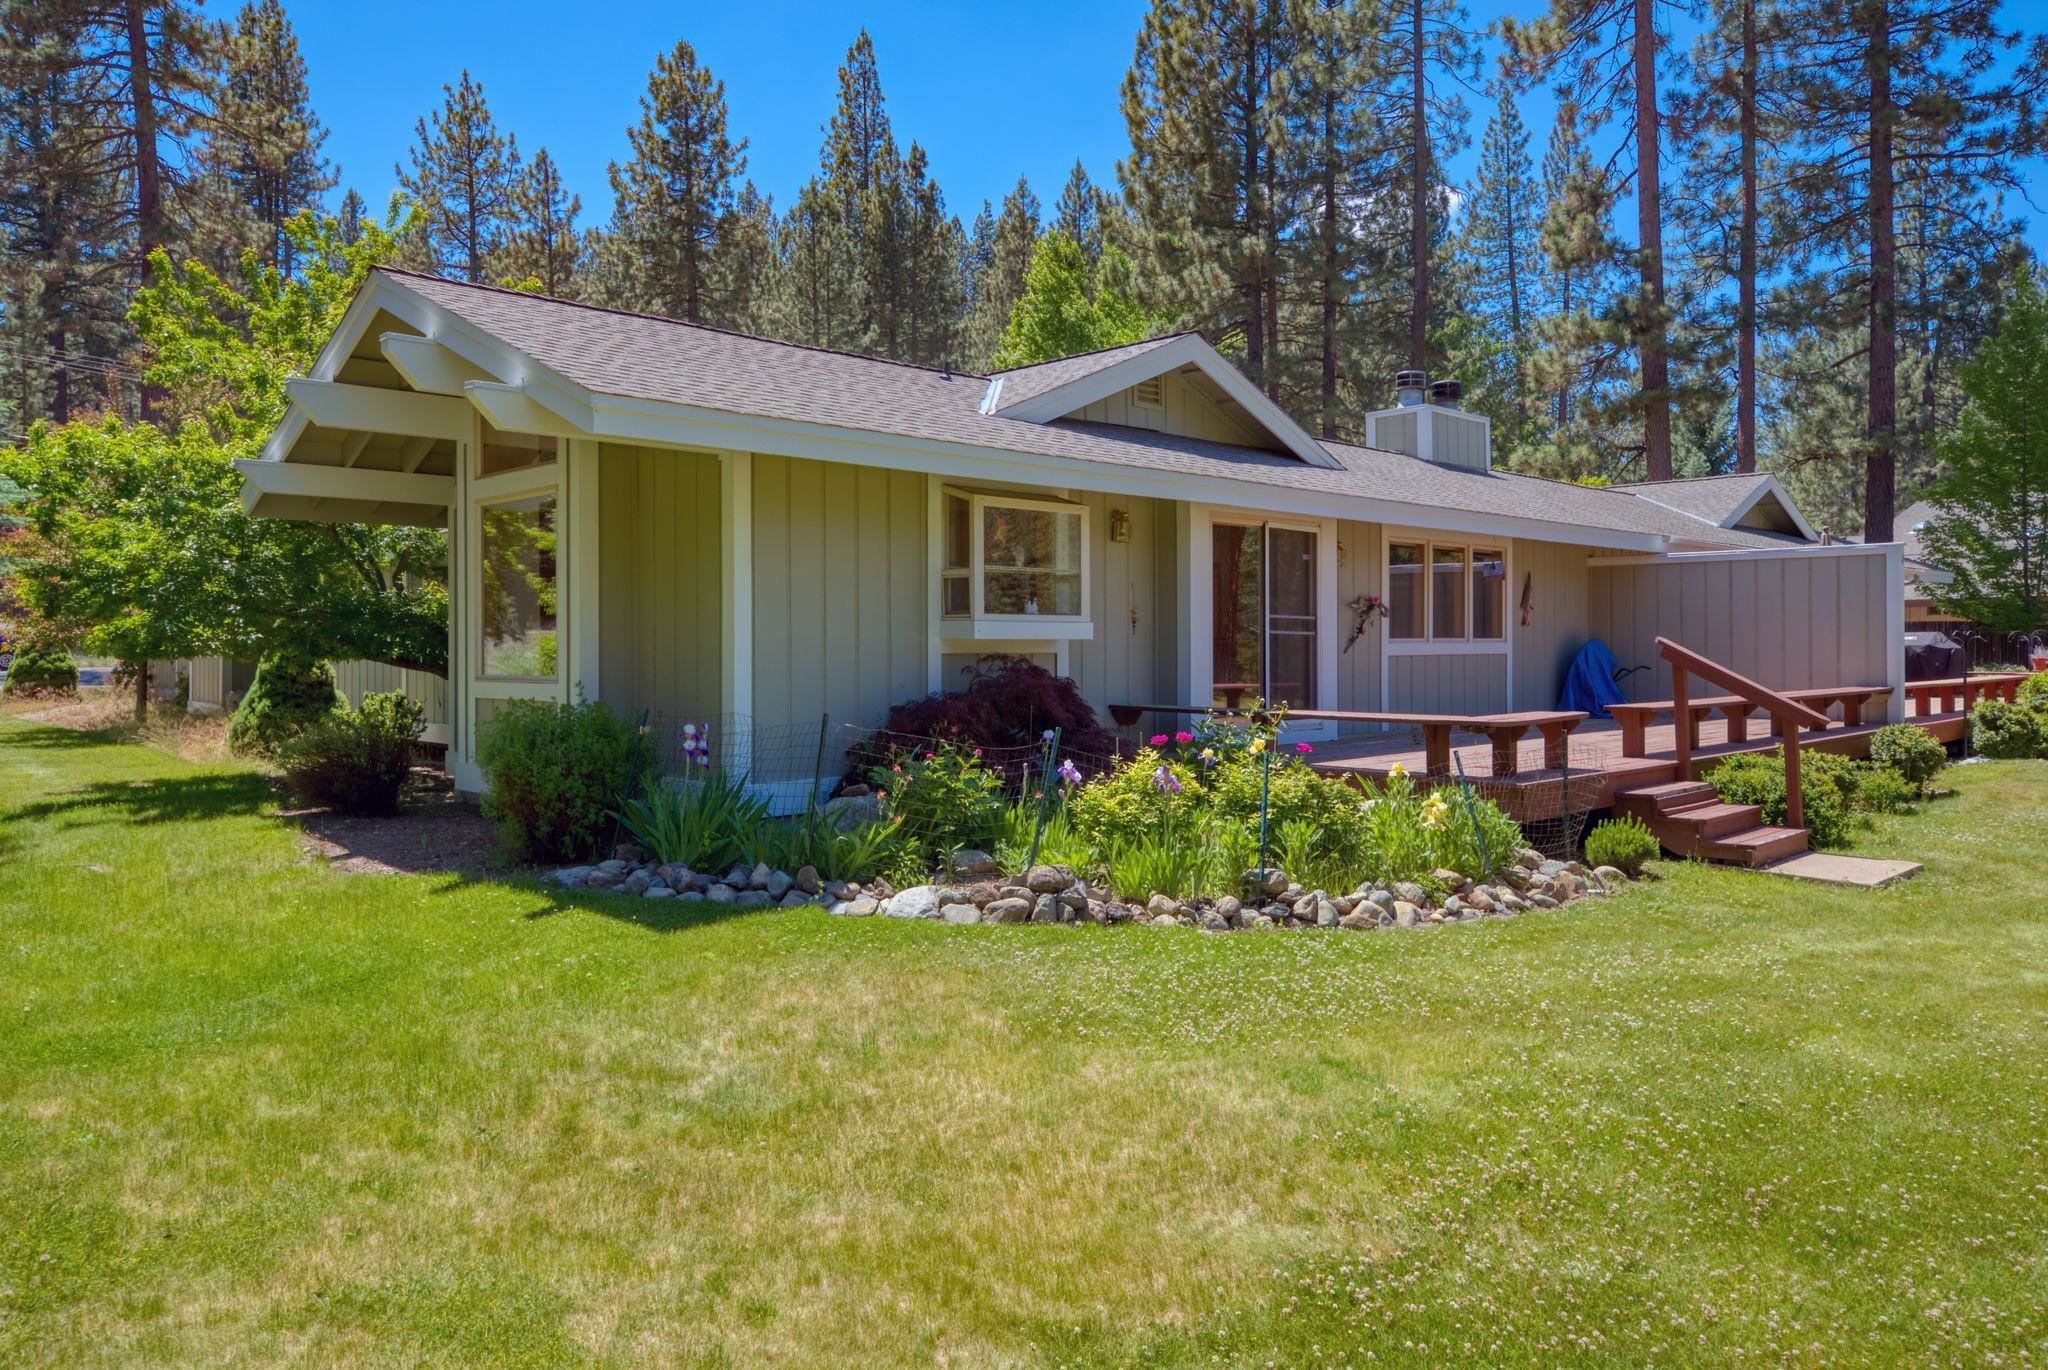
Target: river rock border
point(977, 893)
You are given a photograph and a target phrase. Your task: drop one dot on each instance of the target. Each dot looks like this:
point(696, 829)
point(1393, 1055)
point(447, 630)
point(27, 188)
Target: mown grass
point(256, 1112)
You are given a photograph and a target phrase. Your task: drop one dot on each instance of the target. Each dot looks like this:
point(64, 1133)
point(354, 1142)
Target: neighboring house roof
point(1912, 522)
point(645, 377)
point(1754, 501)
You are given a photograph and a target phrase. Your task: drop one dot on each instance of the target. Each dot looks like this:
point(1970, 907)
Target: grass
point(257, 1112)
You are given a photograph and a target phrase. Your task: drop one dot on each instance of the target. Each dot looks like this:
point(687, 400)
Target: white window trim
point(512, 487)
point(978, 624)
point(1429, 644)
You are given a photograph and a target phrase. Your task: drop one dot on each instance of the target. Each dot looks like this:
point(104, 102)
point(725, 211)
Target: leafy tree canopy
point(135, 542)
point(1059, 316)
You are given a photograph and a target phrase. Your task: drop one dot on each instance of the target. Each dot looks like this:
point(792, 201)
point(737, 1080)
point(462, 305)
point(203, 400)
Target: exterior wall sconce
point(1119, 525)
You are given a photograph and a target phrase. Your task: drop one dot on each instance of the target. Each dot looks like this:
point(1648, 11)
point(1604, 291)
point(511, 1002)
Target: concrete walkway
point(1832, 868)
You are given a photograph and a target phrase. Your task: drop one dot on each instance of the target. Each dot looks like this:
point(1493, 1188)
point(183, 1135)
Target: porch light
point(1119, 525)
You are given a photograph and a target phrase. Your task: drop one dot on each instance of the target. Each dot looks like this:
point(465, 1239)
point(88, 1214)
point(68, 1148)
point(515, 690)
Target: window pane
point(956, 600)
point(1489, 594)
point(1237, 659)
point(1294, 668)
point(1404, 590)
point(1291, 617)
point(1447, 592)
point(519, 588)
point(1031, 561)
point(959, 531)
point(503, 451)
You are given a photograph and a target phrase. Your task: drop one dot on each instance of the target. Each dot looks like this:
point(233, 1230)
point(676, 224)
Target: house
point(679, 519)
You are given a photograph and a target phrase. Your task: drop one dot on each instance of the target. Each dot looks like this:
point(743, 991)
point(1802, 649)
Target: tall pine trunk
point(1656, 376)
point(1331, 273)
point(1418, 226)
point(1746, 267)
point(1255, 228)
point(148, 169)
point(1878, 493)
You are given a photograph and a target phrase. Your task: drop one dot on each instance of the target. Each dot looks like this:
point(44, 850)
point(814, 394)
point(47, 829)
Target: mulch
point(435, 831)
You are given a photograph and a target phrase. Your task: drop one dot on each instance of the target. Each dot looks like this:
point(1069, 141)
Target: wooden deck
point(1596, 765)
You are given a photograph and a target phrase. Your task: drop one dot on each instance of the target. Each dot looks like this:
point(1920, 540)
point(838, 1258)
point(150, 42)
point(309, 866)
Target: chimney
point(1408, 388)
point(1446, 393)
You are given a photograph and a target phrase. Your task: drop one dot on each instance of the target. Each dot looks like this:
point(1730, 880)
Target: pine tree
point(676, 189)
point(817, 291)
point(463, 172)
point(1078, 213)
point(1603, 56)
point(743, 268)
point(1896, 102)
point(541, 243)
point(933, 294)
point(266, 138)
point(1204, 103)
point(1007, 246)
point(349, 219)
point(1502, 242)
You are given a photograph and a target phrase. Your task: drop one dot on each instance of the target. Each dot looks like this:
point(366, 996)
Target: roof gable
point(1064, 389)
point(1753, 500)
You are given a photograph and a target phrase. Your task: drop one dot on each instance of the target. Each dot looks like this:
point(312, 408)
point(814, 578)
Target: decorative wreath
point(1364, 610)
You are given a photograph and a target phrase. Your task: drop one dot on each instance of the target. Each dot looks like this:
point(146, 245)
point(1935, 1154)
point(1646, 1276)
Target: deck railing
point(1504, 732)
point(1968, 690)
point(1788, 715)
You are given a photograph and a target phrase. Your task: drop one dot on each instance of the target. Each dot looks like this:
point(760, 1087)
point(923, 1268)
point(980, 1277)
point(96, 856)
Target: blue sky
point(990, 91)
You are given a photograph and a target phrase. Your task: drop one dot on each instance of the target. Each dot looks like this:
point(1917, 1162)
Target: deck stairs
point(1691, 820)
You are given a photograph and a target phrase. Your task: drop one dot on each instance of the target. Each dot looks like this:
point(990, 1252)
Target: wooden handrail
point(1502, 731)
point(1788, 713)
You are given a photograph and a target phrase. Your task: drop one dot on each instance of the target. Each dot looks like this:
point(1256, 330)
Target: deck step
point(1758, 846)
point(1673, 796)
point(1717, 819)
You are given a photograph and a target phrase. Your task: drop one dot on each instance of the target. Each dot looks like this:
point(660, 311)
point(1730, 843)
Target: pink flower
point(1159, 739)
point(977, 753)
point(1183, 738)
point(1303, 748)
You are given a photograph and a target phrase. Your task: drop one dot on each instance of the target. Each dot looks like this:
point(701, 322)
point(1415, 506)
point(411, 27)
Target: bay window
point(1013, 566)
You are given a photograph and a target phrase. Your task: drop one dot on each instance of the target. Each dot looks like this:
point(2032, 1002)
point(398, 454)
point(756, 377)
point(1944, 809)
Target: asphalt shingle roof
point(1028, 382)
point(1712, 498)
point(643, 357)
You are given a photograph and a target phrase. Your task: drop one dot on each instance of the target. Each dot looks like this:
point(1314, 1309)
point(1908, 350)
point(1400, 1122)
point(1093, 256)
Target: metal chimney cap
point(1446, 393)
point(1408, 387)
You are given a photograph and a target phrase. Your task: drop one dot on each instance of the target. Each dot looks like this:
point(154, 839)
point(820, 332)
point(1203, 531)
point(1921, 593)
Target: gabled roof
point(1754, 500)
point(1023, 383)
point(535, 364)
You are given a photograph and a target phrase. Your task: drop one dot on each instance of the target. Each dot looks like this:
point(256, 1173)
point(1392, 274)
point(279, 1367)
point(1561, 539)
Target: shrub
point(1009, 701)
point(1759, 778)
point(1886, 791)
point(556, 773)
point(1624, 843)
point(42, 668)
point(290, 694)
point(1407, 833)
point(943, 798)
point(1130, 802)
point(356, 762)
point(2034, 691)
point(1910, 751)
point(2006, 732)
point(706, 822)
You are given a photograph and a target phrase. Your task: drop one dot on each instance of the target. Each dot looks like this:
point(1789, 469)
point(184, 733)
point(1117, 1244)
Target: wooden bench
point(1634, 719)
point(1926, 694)
point(1503, 732)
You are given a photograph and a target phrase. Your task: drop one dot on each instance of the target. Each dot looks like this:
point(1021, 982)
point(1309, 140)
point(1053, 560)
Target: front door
point(1265, 619)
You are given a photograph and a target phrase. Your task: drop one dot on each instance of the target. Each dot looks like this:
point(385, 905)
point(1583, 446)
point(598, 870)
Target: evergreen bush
point(356, 763)
point(1624, 843)
point(557, 774)
point(2007, 732)
point(1759, 778)
point(40, 669)
point(290, 694)
point(1910, 751)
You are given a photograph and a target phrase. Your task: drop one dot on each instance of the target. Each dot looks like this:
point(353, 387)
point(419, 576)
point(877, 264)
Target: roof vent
point(1446, 393)
point(1408, 388)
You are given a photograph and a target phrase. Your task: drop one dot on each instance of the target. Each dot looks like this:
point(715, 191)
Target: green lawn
point(255, 1112)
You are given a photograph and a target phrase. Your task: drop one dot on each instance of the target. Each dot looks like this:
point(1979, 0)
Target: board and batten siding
point(1183, 411)
point(1560, 589)
point(1360, 550)
point(1133, 604)
point(1456, 683)
point(358, 678)
point(660, 602)
point(1790, 621)
point(841, 591)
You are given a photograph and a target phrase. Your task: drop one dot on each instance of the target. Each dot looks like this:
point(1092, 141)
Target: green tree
point(1078, 213)
point(266, 139)
point(1502, 243)
point(676, 190)
point(817, 293)
point(462, 175)
point(1992, 529)
point(541, 241)
point(1004, 253)
point(1059, 315)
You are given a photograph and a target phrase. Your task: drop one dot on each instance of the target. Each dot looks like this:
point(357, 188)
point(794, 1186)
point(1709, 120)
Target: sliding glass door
point(1264, 644)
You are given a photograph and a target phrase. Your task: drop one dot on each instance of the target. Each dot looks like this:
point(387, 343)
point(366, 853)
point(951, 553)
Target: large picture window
point(1446, 592)
point(518, 619)
point(1008, 558)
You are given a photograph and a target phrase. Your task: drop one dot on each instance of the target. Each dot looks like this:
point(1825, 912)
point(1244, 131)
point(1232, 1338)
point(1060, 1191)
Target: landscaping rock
point(1010, 910)
point(757, 878)
point(1408, 892)
point(1115, 911)
point(1075, 899)
point(807, 880)
point(1258, 922)
point(1162, 906)
point(919, 901)
point(1543, 901)
point(1406, 914)
point(1610, 876)
point(1514, 877)
point(983, 894)
point(637, 883)
point(1165, 920)
point(1550, 870)
point(615, 866)
point(777, 884)
point(721, 894)
point(836, 889)
point(1359, 921)
point(1326, 910)
point(1229, 907)
point(960, 915)
point(658, 892)
point(571, 876)
point(1513, 903)
point(1271, 882)
point(1212, 921)
point(796, 899)
point(1048, 879)
point(968, 861)
point(1046, 909)
point(752, 899)
point(850, 811)
point(862, 907)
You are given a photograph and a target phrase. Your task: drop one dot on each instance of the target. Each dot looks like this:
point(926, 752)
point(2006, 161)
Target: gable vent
point(1149, 394)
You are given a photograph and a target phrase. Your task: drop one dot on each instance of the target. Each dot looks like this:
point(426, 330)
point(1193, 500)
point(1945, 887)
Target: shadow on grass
point(656, 915)
point(178, 799)
point(31, 736)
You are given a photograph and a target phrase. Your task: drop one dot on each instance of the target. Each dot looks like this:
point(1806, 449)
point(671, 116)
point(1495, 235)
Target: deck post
point(1795, 811)
point(1681, 718)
